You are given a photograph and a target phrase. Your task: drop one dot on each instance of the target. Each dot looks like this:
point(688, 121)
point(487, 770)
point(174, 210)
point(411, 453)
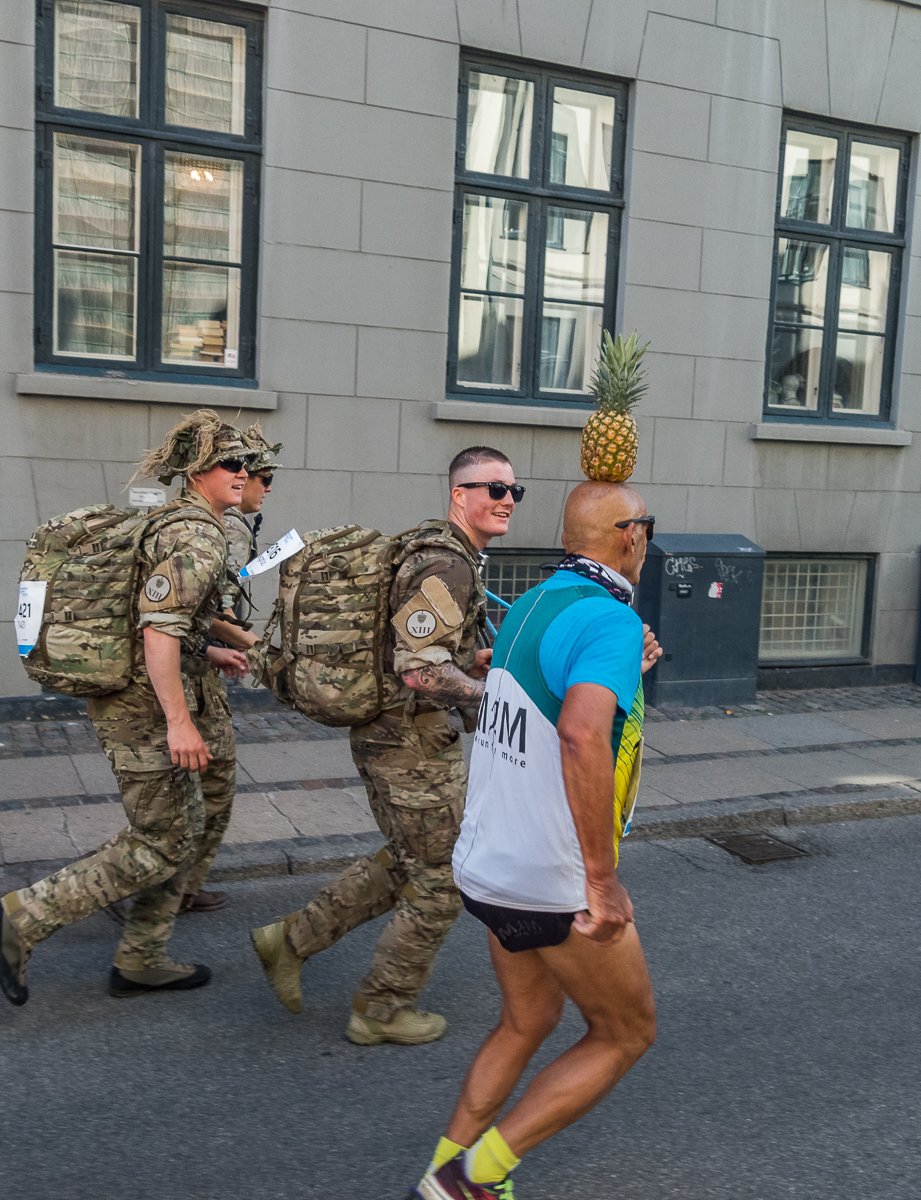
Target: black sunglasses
point(265, 479)
point(497, 490)
point(233, 465)
point(649, 522)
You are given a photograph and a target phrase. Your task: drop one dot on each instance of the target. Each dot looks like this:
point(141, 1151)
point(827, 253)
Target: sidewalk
point(793, 758)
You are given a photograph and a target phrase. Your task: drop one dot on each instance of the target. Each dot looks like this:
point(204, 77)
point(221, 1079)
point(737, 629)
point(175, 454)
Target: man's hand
point(187, 747)
point(480, 668)
point(610, 911)
point(651, 650)
point(162, 655)
point(232, 663)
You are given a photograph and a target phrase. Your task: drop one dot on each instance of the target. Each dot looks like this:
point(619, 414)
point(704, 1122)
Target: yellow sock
point(444, 1152)
point(490, 1160)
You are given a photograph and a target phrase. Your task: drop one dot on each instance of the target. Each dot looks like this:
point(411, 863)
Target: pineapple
point(609, 436)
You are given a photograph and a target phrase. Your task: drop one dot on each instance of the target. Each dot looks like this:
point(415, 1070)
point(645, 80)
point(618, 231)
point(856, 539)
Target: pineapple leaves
point(619, 378)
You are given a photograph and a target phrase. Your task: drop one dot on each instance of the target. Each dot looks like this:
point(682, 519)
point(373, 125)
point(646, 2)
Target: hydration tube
point(503, 603)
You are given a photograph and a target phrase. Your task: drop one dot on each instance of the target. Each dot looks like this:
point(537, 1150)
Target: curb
point(242, 699)
point(795, 808)
point(333, 852)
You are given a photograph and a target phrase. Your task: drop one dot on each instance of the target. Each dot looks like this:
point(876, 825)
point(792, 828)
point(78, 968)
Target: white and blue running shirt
point(518, 845)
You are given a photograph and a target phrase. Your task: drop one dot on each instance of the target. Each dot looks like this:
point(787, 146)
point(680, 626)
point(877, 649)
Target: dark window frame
point(155, 137)
point(839, 236)
point(539, 194)
point(872, 561)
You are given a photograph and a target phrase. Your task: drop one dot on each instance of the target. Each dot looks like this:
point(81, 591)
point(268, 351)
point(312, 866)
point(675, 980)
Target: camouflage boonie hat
point(264, 452)
point(198, 443)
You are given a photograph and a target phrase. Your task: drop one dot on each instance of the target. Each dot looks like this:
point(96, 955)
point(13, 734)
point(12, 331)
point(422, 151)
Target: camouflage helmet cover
point(265, 452)
point(198, 443)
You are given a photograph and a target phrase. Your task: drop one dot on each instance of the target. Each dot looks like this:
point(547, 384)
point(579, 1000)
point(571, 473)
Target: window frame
point(868, 610)
point(539, 194)
point(155, 138)
point(839, 236)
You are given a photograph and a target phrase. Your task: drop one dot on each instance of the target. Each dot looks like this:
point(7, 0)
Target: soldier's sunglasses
point(264, 479)
point(233, 465)
point(649, 522)
point(497, 490)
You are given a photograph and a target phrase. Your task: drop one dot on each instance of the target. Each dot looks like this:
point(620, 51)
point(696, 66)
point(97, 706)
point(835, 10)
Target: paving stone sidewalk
point(791, 758)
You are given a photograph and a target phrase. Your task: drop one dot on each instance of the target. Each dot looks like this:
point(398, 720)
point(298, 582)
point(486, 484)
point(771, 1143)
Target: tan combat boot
point(407, 1027)
point(281, 965)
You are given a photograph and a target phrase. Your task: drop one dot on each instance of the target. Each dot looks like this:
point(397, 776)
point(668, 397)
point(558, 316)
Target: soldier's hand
point(232, 663)
point(651, 650)
point(187, 747)
point(480, 667)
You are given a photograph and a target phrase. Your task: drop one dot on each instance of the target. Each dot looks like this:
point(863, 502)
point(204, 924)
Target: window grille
point(509, 575)
point(813, 608)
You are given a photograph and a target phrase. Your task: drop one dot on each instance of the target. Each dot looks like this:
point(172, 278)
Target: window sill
point(92, 387)
point(509, 414)
point(853, 435)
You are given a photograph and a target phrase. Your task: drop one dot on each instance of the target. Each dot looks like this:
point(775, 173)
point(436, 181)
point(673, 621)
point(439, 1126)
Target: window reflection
point(96, 56)
point(807, 190)
point(203, 203)
point(499, 116)
point(205, 74)
point(581, 138)
point(871, 188)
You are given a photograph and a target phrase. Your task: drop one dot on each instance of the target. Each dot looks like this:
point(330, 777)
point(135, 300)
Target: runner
point(559, 737)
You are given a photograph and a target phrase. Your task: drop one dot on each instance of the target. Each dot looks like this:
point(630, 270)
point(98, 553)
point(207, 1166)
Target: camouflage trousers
point(416, 782)
point(176, 819)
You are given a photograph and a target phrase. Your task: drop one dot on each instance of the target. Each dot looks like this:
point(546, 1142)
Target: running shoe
point(450, 1183)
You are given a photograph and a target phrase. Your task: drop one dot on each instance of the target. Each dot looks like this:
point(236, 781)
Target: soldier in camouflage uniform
point(410, 761)
point(218, 795)
point(241, 536)
point(167, 735)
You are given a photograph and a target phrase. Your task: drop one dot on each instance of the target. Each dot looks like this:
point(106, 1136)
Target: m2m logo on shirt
point(496, 718)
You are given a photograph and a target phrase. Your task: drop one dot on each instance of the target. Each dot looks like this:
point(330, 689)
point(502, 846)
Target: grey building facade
point(389, 229)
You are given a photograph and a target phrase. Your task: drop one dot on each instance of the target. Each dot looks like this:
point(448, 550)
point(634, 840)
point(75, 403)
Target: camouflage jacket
point(437, 605)
point(239, 553)
point(181, 579)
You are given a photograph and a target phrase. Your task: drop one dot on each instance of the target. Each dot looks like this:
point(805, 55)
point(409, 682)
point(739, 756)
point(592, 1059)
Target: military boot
point(281, 965)
point(407, 1027)
point(168, 977)
point(13, 959)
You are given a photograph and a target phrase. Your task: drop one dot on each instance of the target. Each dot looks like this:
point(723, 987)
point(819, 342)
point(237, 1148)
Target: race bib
point(28, 619)
point(283, 548)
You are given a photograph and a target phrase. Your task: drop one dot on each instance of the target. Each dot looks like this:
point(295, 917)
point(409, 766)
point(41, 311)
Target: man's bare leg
point(610, 986)
point(532, 1004)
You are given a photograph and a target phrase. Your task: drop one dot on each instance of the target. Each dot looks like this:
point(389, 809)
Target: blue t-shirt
point(592, 641)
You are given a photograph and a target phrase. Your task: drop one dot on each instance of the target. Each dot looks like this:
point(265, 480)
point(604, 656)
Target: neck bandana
point(587, 567)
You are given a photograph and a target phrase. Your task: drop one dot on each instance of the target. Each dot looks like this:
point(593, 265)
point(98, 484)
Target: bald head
point(592, 511)
point(590, 526)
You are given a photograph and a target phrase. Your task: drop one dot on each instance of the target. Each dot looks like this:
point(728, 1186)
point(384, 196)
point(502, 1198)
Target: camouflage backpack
point(333, 613)
point(90, 559)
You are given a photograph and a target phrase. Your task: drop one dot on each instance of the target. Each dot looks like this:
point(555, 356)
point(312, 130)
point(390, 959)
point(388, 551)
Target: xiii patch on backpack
point(333, 613)
point(89, 560)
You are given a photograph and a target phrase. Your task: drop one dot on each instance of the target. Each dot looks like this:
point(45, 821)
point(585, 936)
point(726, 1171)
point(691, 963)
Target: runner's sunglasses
point(497, 490)
point(649, 522)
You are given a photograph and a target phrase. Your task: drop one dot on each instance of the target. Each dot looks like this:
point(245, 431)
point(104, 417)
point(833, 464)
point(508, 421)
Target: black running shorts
point(520, 928)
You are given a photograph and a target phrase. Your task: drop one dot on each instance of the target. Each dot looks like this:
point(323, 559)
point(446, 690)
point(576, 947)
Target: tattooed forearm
point(445, 684)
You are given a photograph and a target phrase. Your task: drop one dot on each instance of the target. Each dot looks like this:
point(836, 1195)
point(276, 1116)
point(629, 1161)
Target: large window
point(537, 215)
point(815, 609)
point(148, 152)
point(837, 268)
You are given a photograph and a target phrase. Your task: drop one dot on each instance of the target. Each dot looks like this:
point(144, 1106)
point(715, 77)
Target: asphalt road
point(787, 1063)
